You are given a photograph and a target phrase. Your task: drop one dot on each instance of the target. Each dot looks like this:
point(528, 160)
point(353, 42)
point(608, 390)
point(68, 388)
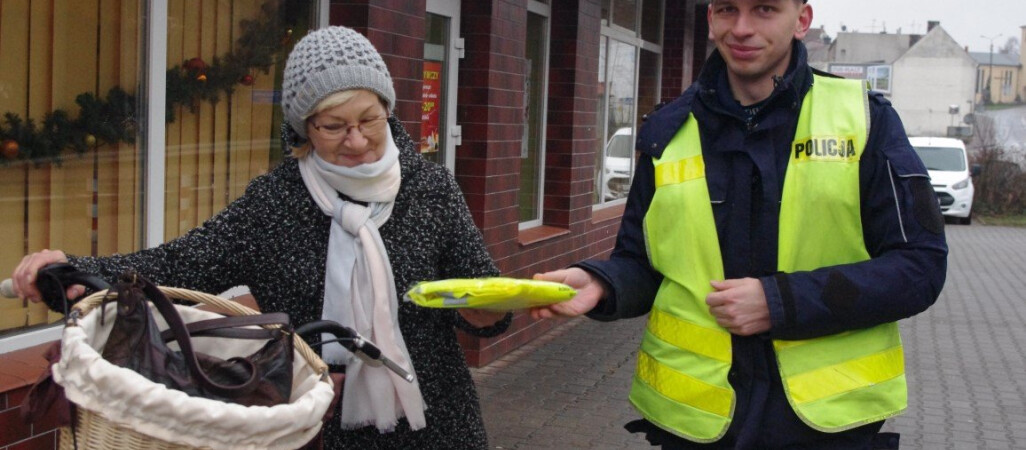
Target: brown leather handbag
point(263, 378)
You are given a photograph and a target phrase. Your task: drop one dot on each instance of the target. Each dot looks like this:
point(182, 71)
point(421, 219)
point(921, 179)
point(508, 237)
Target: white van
point(946, 160)
point(616, 175)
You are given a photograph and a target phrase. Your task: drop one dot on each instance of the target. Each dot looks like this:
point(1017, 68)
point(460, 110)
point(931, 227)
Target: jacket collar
point(710, 99)
point(714, 88)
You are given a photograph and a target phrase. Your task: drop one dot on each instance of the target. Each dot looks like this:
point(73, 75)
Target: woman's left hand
point(481, 318)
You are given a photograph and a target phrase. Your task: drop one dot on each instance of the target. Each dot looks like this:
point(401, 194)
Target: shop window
point(70, 163)
point(223, 136)
point(628, 87)
point(80, 110)
point(625, 14)
point(433, 133)
point(615, 166)
point(532, 153)
point(652, 20)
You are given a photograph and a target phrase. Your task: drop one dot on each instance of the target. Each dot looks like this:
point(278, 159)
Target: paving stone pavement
point(965, 361)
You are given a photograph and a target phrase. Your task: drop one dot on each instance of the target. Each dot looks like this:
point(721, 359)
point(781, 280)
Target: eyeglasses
point(366, 127)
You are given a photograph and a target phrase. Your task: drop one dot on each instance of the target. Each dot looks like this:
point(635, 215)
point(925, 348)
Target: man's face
point(754, 36)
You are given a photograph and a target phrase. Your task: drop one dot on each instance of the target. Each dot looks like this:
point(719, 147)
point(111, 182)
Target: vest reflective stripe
point(834, 382)
point(683, 388)
point(709, 342)
point(869, 370)
point(675, 172)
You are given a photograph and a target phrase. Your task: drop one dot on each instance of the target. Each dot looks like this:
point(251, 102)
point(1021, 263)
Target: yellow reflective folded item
point(495, 294)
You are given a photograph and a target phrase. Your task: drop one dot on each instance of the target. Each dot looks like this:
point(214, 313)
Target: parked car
point(950, 175)
point(616, 170)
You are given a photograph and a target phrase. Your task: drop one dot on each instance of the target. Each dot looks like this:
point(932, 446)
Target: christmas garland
point(112, 119)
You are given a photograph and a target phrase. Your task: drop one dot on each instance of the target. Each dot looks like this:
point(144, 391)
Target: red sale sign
point(430, 104)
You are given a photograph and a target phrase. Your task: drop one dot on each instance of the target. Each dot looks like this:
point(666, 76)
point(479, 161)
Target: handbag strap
point(229, 327)
point(181, 333)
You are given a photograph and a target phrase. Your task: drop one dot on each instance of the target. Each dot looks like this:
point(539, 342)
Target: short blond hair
point(331, 101)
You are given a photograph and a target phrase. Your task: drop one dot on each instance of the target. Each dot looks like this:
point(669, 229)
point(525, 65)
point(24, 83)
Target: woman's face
point(352, 133)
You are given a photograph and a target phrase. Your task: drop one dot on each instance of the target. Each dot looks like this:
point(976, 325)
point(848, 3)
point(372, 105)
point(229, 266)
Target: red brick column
point(490, 110)
point(684, 43)
point(396, 28)
point(572, 115)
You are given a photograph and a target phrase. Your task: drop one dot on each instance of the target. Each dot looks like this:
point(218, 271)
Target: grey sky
point(964, 20)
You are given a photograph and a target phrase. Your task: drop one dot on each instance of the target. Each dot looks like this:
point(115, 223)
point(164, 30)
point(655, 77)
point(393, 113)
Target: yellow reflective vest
point(834, 383)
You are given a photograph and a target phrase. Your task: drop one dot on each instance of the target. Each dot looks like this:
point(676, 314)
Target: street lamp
point(990, 69)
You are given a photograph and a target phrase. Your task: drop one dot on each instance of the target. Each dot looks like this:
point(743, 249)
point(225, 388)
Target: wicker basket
point(93, 429)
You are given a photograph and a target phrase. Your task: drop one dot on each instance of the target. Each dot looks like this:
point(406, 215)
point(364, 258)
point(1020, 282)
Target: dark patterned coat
point(274, 240)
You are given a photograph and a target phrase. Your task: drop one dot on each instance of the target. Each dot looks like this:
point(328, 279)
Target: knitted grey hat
point(327, 61)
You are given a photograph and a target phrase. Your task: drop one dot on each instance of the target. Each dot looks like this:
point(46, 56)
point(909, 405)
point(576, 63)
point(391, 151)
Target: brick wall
point(685, 41)
point(490, 110)
point(488, 162)
point(18, 371)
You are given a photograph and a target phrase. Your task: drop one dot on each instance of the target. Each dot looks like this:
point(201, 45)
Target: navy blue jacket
point(746, 157)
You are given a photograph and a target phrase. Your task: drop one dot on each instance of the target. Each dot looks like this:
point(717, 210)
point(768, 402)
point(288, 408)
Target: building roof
point(937, 43)
point(817, 43)
point(856, 47)
point(1000, 59)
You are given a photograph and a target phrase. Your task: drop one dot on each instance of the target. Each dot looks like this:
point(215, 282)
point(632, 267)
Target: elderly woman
point(338, 231)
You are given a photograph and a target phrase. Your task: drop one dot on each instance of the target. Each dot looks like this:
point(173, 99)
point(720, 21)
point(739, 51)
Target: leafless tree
point(1011, 46)
point(1001, 182)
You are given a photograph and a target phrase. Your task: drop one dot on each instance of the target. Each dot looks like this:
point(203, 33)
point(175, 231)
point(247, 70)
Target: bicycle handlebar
point(352, 341)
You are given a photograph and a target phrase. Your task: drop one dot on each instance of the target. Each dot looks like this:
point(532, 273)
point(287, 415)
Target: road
point(965, 363)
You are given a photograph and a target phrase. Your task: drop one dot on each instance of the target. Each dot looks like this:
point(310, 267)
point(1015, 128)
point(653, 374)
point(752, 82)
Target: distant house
point(998, 79)
point(933, 84)
point(817, 42)
point(930, 79)
point(867, 56)
point(858, 48)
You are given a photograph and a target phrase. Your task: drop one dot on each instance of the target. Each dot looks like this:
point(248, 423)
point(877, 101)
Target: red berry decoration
point(195, 65)
point(9, 148)
point(246, 80)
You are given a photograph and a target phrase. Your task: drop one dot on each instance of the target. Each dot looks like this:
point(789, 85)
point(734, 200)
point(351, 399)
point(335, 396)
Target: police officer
point(778, 226)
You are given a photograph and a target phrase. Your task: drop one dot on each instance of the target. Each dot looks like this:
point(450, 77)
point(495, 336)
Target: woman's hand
point(23, 278)
point(481, 318)
point(589, 292)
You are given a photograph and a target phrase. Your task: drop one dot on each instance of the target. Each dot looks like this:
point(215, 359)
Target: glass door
point(439, 134)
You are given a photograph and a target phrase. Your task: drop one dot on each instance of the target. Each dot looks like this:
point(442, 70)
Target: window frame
point(544, 11)
point(152, 137)
point(610, 33)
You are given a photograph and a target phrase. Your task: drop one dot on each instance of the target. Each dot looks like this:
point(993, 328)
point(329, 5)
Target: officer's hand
point(589, 292)
point(739, 305)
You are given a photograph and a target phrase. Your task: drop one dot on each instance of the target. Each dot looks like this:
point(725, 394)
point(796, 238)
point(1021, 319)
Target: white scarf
point(359, 291)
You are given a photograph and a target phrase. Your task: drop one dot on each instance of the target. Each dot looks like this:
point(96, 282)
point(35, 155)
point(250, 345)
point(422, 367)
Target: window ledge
point(540, 233)
point(607, 213)
point(22, 368)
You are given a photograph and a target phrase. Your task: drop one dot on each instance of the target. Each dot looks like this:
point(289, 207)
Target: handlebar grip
point(324, 326)
point(353, 342)
point(7, 289)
